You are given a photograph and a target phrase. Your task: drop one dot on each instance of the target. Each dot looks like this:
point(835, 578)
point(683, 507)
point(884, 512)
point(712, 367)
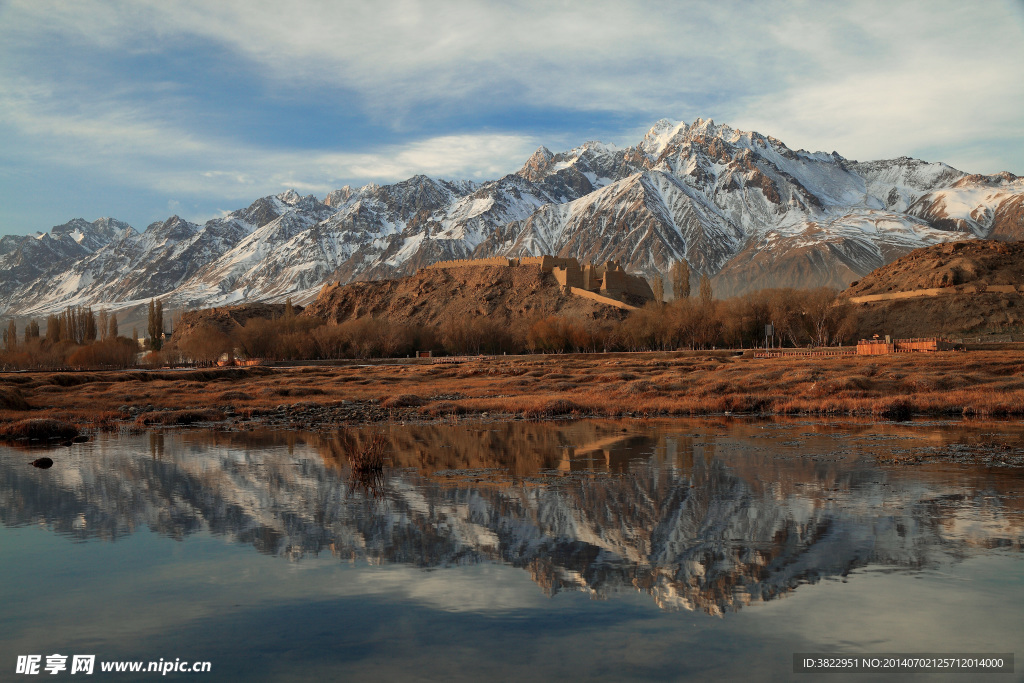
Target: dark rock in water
point(81, 438)
point(43, 463)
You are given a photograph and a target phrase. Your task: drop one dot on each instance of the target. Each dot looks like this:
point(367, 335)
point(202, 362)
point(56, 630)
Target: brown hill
point(947, 265)
point(433, 295)
point(959, 290)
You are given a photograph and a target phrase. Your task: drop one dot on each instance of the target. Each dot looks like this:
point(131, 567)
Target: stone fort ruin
point(607, 283)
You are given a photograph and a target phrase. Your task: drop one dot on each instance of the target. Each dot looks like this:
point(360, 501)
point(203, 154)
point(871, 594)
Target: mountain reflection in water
point(700, 515)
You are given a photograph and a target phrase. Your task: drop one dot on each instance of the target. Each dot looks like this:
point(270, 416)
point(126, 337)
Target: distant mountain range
point(741, 207)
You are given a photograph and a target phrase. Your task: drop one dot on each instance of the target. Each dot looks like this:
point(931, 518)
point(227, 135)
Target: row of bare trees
point(75, 337)
point(797, 318)
point(776, 317)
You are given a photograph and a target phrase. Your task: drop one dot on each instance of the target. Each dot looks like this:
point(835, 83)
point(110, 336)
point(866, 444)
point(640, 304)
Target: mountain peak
point(659, 136)
point(598, 147)
point(537, 165)
point(289, 197)
point(90, 236)
point(336, 198)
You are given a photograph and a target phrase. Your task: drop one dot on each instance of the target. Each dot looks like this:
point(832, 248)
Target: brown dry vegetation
point(980, 383)
point(37, 429)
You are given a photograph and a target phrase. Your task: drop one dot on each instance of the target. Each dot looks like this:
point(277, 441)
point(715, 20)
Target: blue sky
point(139, 110)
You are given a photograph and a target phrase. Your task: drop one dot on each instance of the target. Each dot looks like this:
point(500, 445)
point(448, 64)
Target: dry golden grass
point(978, 383)
point(179, 417)
point(12, 399)
point(37, 429)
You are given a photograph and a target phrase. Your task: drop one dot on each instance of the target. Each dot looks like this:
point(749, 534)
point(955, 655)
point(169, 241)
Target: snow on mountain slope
point(248, 257)
point(989, 207)
point(739, 206)
point(832, 253)
point(90, 236)
point(901, 182)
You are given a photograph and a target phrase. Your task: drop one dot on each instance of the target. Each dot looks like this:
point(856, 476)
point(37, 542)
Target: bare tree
point(680, 276)
point(658, 287)
point(706, 294)
point(11, 336)
point(828, 318)
point(102, 324)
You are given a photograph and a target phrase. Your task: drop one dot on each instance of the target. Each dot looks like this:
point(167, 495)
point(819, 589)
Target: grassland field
point(974, 383)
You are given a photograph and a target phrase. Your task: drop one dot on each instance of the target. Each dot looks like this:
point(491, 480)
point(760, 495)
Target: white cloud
point(397, 53)
point(864, 79)
point(163, 156)
point(878, 115)
point(924, 80)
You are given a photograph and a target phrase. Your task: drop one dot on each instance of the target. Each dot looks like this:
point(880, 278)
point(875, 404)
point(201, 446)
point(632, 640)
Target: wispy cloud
point(400, 56)
point(231, 99)
point(935, 81)
point(161, 155)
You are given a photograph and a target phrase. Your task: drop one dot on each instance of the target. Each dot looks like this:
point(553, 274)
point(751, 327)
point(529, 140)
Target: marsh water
point(622, 550)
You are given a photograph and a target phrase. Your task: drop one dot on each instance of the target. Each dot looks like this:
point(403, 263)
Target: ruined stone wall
point(546, 263)
point(607, 278)
point(571, 276)
point(619, 282)
point(937, 291)
point(549, 263)
point(594, 296)
point(471, 263)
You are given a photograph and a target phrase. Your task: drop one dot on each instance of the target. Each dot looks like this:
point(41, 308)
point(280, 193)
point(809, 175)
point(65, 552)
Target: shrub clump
point(72, 380)
point(558, 406)
point(294, 391)
point(402, 401)
point(12, 399)
point(442, 408)
point(898, 409)
point(179, 417)
point(234, 396)
point(38, 429)
point(368, 457)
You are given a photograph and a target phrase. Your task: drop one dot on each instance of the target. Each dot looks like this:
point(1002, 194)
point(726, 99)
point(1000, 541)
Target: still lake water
point(592, 550)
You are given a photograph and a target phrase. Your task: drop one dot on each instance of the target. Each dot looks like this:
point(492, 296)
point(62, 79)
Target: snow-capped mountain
point(741, 207)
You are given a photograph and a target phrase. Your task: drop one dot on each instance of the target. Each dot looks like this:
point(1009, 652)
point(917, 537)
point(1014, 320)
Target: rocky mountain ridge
point(740, 206)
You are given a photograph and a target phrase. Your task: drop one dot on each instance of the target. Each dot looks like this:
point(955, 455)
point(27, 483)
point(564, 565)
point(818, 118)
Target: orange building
point(875, 347)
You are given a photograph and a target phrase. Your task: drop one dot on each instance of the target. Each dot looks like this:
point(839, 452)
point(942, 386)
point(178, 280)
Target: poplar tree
point(152, 329)
point(156, 324)
point(159, 324)
point(89, 329)
point(680, 274)
point(52, 329)
point(112, 326)
point(705, 290)
point(31, 331)
point(11, 336)
point(658, 287)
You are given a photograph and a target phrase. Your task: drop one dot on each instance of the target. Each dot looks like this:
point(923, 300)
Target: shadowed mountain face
point(740, 206)
point(700, 516)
